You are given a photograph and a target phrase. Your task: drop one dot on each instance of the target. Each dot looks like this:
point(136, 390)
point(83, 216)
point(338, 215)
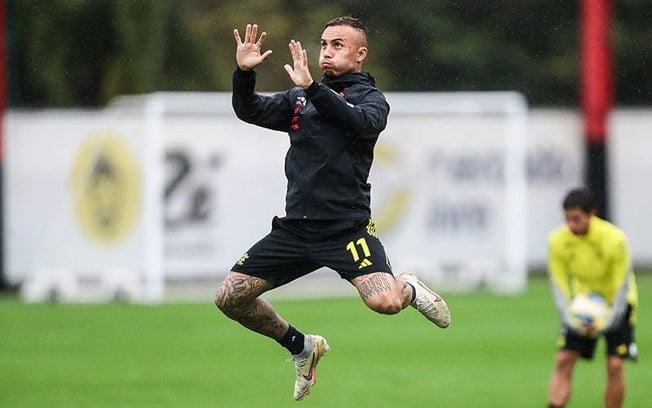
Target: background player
point(588, 254)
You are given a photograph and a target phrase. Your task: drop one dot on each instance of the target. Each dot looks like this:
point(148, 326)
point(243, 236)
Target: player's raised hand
point(298, 71)
point(248, 52)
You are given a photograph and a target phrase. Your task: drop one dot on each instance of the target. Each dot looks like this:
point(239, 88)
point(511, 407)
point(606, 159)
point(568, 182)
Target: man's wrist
point(312, 89)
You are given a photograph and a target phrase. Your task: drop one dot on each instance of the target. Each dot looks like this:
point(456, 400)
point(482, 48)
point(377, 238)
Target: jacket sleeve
point(365, 119)
point(621, 274)
point(271, 112)
point(560, 283)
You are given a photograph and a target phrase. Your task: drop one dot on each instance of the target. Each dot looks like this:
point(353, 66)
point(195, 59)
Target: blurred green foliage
point(85, 52)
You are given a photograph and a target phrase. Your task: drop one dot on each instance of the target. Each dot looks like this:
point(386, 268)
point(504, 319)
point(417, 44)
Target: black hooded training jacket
point(333, 127)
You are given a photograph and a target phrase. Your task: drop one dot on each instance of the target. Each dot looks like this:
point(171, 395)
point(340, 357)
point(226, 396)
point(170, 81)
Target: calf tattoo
point(238, 298)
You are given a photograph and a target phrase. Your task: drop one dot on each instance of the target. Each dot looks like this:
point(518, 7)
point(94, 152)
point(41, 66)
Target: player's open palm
point(298, 71)
point(248, 53)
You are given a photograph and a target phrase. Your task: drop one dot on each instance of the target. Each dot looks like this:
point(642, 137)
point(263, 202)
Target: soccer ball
point(589, 313)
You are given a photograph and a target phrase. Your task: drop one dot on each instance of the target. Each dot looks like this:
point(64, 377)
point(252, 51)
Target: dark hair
point(580, 198)
point(348, 21)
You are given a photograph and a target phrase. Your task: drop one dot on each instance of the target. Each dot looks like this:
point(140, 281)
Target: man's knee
point(379, 292)
point(614, 367)
point(223, 300)
point(237, 292)
point(565, 360)
point(229, 300)
point(385, 304)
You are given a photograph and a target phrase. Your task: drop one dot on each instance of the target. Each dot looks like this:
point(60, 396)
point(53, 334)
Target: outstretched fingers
point(250, 33)
point(304, 55)
point(299, 55)
point(261, 39)
point(247, 38)
point(298, 71)
point(251, 36)
point(249, 50)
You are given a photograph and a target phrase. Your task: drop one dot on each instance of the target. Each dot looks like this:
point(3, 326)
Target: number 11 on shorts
point(362, 244)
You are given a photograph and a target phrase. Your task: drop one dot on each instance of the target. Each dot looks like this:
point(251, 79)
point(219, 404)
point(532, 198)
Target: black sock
point(293, 341)
point(414, 291)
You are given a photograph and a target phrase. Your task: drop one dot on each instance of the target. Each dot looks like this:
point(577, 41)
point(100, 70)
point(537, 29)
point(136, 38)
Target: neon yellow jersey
point(598, 261)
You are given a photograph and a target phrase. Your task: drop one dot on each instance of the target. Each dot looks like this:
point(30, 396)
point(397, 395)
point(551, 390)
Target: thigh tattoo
point(374, 284)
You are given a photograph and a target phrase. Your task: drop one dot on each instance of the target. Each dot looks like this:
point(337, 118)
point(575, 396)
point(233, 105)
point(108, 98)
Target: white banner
point(224, 182)
point(438, 191)
point(77, 203)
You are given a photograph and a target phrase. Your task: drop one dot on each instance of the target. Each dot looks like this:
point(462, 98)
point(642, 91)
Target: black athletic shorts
point(295, 248)
point(620, 341)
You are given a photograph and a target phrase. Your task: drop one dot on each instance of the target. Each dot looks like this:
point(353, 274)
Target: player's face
point(343, 48)
point(577, 220)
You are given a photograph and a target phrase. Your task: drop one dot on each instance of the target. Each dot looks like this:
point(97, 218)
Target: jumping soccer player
point(333, 127)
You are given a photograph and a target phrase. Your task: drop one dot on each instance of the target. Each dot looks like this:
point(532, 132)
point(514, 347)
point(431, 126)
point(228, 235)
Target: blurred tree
point(480, 45)
point(633, 47)
point(137, 65)
point(58, 51)
point(281, 19)
point(83, 52)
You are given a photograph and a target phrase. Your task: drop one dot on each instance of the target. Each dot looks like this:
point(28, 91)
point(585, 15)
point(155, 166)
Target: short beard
point(329, 73)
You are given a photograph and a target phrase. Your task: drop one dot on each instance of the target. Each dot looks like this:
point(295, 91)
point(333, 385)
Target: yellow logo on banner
point(106, 188)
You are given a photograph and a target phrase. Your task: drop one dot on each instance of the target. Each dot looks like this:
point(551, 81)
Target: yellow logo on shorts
point(365, 262)
point(243, 258)
point(371, 229)
point(622, 350)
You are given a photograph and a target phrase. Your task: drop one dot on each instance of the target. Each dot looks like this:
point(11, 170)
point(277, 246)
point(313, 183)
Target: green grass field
point(497, 352)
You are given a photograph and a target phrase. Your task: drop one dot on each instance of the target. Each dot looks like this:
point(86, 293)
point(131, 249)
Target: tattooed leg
point(382, 292)
point(238, 297)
